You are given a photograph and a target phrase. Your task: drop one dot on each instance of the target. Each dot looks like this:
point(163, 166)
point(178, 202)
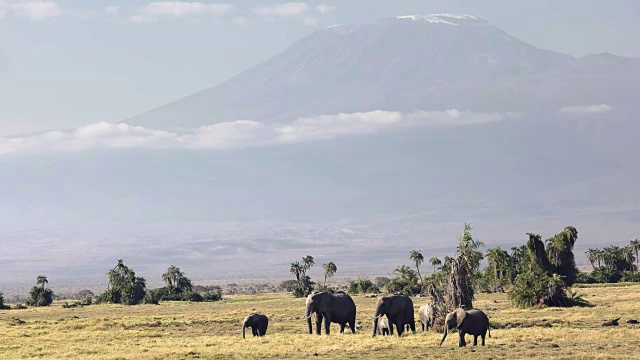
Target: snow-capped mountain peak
point(448, 19)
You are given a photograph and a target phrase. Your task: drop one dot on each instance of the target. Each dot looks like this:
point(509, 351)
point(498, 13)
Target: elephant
point(383, 327)
point(474, 322)
point(399, 311)
point(335, 307)
point(258, 324)
point(427, 315)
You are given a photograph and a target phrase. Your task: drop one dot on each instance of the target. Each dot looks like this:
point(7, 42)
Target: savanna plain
point(182, 330)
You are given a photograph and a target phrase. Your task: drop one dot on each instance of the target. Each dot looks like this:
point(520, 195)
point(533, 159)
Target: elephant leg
point(422, 326)
point(399, 328)
point(254, 331)
point(318, 324)
point(482, 336)
point(342, 328)
point(412, 325)
point(475, 340)
point(352, 324)
point(327, 325)
point(461, 341)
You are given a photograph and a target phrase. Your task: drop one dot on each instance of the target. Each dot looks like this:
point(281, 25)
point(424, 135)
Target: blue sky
point(68, 63)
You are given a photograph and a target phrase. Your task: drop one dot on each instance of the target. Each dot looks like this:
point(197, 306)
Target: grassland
point(212, 331)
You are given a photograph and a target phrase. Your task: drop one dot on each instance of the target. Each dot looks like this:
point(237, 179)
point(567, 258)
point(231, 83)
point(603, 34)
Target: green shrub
point(631, 276)
point(2, 305)
point(362, 286)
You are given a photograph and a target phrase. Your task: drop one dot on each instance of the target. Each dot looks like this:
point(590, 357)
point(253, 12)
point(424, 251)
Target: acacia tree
point(417, 259)
point(329, 270)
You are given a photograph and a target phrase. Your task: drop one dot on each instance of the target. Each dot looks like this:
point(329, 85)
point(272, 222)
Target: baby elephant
point(383, 327)
point(473, 322)
point(427, 314)
point(258, 324)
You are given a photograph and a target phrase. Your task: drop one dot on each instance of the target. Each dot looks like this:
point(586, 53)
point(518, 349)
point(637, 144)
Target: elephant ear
point(460, 315)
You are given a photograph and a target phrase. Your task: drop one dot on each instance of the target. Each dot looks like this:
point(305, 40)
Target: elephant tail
point(489, 330)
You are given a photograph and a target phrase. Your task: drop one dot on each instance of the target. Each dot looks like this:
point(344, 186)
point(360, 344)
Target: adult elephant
point(335, 307)
point(427, 316)
point(473, 322)
point(399, 311)
point(258, 324)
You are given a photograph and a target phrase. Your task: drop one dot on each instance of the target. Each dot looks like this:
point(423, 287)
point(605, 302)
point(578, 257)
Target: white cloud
point(36, 10)
point(181, 9)
point(112, 10)
point(141, 19)
point(326, 9)
point(242, 133)
point(290, 9)
point(583, 110)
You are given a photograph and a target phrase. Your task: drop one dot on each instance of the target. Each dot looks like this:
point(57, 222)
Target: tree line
point(124, 287)
point(537, 273)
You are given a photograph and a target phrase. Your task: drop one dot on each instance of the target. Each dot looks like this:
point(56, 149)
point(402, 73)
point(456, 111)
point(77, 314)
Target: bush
point(19, 306)
point(2, 305)
point(40, 296)
point(193, 297)
point(213, 295)
point(631, 276)
point(362, 286)
point(381, 281)
point(585, 278)
point(151, 298)
point(535, 287)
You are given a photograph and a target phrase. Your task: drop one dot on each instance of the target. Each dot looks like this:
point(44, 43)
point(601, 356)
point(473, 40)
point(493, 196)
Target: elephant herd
point(391, 311)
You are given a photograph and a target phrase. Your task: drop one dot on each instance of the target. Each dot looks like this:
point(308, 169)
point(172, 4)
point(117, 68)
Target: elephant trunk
point(375, 325)
point(307, 315)
point(444, 336)
point(244, 327)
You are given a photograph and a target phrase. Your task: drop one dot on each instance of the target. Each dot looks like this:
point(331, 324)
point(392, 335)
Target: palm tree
point(176, 280)
point(434, 261)
point(417, 259)
point(560, 253)
point(329, 270)
point(42, 280)
point(592, 256)
point(496, 258)
point(403, 271)
point(635, 246)
point(307, 263)
point(296, 269)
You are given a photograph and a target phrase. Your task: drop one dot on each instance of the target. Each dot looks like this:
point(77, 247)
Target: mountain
point(408, 63)
point(364, 199)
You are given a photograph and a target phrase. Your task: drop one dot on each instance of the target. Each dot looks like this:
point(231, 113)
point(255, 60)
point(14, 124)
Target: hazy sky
point(74, 62)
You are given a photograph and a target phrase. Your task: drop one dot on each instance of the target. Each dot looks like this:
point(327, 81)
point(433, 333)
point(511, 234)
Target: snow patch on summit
point(448, 19)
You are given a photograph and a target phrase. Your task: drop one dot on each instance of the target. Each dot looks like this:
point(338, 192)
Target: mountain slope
point(434, 62)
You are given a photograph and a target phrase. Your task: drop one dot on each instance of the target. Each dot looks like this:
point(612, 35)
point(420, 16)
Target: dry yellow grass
point(212, 331)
